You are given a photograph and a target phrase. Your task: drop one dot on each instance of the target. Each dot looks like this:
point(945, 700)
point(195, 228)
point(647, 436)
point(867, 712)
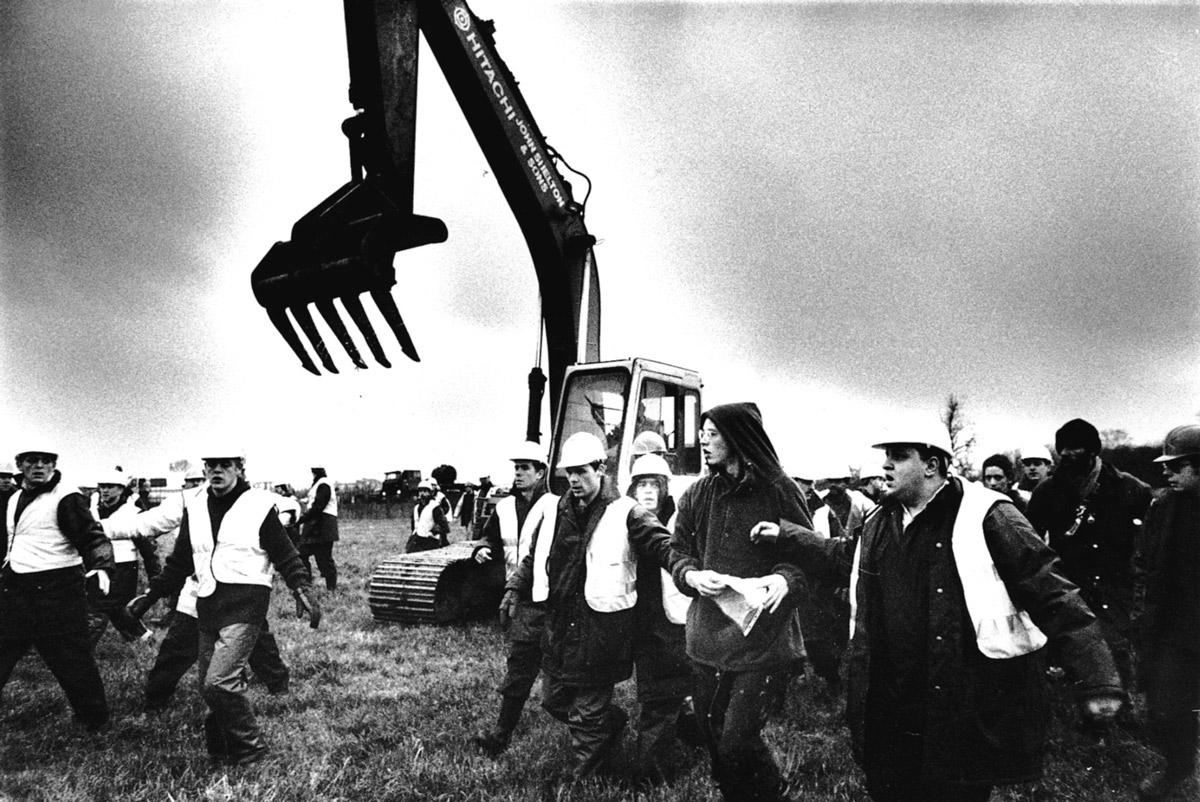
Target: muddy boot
point(496, 740)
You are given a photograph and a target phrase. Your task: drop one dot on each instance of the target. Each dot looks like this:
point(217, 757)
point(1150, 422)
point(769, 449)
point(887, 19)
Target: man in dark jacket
point(740, 676)
point(319, 528)
point(954, 595)
point(50, 540)
point(229, 539)
point(1167, 613)
point(998, 475)
point(1091, 514)
point(583, 564)
point(509, 532)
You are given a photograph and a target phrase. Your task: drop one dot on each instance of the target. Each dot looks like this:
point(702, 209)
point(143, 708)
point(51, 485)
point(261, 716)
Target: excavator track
point(441, 586)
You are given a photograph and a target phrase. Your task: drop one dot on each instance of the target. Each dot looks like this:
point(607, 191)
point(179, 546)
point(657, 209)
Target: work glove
point(102, 580)
point(1102, 709)
point(508, 606)
point(306, 604)
point(138, 606)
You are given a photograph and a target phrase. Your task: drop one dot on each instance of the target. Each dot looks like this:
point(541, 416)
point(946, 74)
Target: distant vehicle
point(400, 485)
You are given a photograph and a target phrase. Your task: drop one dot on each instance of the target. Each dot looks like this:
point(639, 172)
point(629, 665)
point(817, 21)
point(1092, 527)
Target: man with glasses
point(50, 540)
point(229, 538)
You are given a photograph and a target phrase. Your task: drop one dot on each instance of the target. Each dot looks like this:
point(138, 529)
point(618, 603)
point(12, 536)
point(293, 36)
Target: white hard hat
point(23, 452)
point(930, 433)
point(427, 484)
point(529, 451)
point(195, 472)
point(8, 468)
point(1036, 452)
point(650, 465)
point(648, 442)
point(112, 477)
point(580, 449)
point(231, 452)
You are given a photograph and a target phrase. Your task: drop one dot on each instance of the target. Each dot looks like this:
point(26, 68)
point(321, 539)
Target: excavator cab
point(619, 400)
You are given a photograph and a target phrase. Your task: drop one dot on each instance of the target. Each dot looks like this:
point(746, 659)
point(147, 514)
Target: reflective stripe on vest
point(1001, 630)
point(516, 544)
point(610, 580)
point(35, 543)
point(237, 557)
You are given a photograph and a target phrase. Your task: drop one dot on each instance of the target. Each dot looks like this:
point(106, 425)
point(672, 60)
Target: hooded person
point(741, 663)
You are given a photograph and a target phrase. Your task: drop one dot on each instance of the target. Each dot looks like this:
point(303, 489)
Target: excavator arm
point(347, 244)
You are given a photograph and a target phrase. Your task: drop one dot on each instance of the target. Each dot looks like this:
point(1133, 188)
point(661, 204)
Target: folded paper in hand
point(742, 600)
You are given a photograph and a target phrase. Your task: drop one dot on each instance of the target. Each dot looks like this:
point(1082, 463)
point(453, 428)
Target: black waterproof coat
point(984, 719)
point(1098, 557)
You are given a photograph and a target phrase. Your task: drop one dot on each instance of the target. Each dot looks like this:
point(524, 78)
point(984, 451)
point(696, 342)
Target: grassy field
point(386, 712)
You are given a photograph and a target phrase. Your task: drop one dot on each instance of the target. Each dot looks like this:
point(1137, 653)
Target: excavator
point(348, 244)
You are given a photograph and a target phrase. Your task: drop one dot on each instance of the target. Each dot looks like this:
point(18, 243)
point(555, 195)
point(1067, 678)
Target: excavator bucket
point(341, 249)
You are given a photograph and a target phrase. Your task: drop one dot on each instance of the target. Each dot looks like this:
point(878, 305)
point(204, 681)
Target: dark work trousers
point(664, 681)
point(417, 543)
point(230, 728)
point(892, 765)
point(103, 609)
point(323, 553)
point(731, 709)
point(1171, 680)
point(524, 659)
point(180, 649)
point(69, 658)
point(594, 722)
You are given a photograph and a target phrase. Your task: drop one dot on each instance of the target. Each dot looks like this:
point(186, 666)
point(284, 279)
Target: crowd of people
point(70, 566)
point(939, 608)
point(942, 608)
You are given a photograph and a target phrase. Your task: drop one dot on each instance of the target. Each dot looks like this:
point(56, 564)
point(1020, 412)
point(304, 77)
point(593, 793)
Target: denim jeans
point(230, 728)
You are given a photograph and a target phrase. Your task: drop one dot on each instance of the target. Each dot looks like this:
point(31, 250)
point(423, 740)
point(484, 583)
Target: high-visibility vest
point(610, 581)
point(423, 520)
point(1002, 630)
point(331, 507)
point(123, 549)
point(35, 543)
point(516, 540)
point(236, 557)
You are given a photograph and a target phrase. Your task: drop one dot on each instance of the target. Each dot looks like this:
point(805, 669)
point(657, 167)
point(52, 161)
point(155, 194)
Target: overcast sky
point(844, 212)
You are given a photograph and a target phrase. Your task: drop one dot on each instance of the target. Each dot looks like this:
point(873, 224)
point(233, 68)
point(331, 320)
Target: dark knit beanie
point(1077, 433)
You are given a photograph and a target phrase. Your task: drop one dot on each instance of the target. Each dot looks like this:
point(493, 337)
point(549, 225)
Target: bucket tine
point(387, 305)
point(329, 312)
point(359, 316)
point(304, 318)
point(279, 317)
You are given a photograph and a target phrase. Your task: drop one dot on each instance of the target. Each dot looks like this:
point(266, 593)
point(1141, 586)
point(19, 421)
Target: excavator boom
point(347, 244)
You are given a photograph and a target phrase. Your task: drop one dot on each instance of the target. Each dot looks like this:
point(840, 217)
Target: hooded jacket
point(712, 532)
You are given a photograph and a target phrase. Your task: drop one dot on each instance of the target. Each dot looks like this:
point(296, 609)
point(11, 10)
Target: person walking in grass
point(954, 597)
point(741, 669)
point(50, 547)
point(508, 533)
point(230, 538)
point(582, 565)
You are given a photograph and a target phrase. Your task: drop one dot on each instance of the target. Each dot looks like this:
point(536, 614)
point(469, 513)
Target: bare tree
point(1115, 438)
point(180, 466)
point(961, 440)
